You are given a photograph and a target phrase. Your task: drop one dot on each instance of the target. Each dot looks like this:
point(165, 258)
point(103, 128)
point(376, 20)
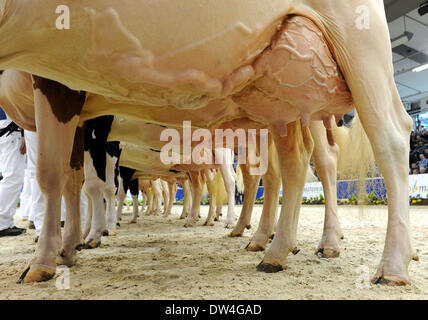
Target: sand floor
point(160, 259)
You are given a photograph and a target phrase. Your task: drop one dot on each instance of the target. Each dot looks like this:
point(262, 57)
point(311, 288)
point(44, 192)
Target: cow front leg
point(272, 185)
point(294, 153)
point(251, 183)
point(325, 159)
point(72, 239)
point(57, 110)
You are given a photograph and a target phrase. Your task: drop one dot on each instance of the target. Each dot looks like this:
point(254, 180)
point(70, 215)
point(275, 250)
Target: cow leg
point(171, 198)
point(94, 188)
point(212, 189)
point(187, 205)
point(120, 196)
point(150, 201)
point(272, 185)
point(165, 194)
point(157, 190)
point(228, 175)
point(134, 194)
point(294, 154)
point(219, 210)
point(134, 209)
point(251, 183)
point(72, 239)
point(325, 159)
point(196, 198)
point(143, 204)
point(370, 77)
point(109, 195)
point(57, 110)
point(173, 195)
point(88, 220)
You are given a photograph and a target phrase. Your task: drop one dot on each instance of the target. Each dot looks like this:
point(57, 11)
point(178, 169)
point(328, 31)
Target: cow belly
point(299, 79)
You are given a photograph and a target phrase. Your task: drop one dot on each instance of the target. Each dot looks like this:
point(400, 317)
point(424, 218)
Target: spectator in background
point(423, 162)
point(422, 170)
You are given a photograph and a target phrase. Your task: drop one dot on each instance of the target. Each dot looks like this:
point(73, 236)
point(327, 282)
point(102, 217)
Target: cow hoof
point(248, 226)
point(132, 221)
point(235, 234)
point(92, 244)
point(111, 233)
point(189, 224)
point(268, 268)
point(327, 253)
point(80, 246)
point(390, 282)
point(37, 273)
point(117, 224)
point(63, 260)
point(105, 233)
point(229, 226)
point(255, 247)
point(209, 224)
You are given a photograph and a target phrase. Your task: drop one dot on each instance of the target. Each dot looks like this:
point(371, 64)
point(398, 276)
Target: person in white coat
point(12, 161)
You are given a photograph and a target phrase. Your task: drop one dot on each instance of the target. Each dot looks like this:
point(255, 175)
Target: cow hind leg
point(134, 194)
point(187, 205)
point(228, 175)
point(196, 198)
point(88, 220)
point(294, 153)
point(325, 160)
point(94, 188)
point(57, 110)
point(370, 77)
point(251, 183)
point(109, 195)
point(212, 190)
point(171, 192)
point(272, 185)
point(72, 239)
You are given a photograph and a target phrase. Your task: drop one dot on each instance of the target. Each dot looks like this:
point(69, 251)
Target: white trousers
point(26, 197)
point(13, 166)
